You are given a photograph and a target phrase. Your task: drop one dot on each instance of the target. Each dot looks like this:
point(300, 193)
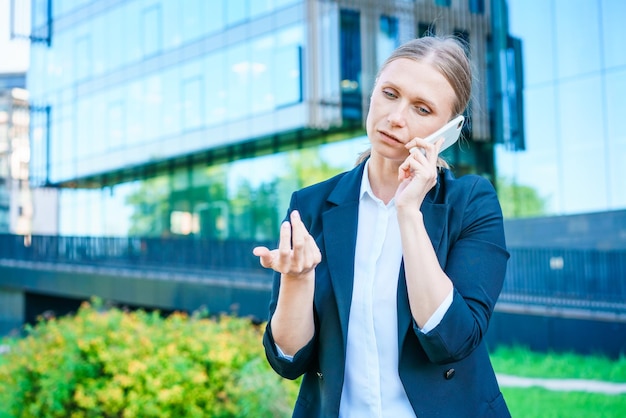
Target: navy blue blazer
point(446, 372)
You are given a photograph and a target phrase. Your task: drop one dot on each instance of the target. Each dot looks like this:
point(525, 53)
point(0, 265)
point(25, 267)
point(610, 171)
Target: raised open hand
point(297, 253)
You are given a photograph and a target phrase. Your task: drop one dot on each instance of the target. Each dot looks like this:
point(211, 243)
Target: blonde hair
point(449, 56)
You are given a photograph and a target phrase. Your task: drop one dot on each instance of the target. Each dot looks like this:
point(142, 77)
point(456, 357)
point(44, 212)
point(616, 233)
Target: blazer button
point(320, 375)
point(449, 374)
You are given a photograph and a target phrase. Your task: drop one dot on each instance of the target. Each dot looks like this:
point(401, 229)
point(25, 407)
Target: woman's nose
point(397, 116)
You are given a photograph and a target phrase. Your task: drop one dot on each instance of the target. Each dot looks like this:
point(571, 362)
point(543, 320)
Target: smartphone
point(450, 132)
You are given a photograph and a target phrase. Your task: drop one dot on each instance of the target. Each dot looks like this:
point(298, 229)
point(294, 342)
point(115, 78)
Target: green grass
point(543, 403)
point(519, 361)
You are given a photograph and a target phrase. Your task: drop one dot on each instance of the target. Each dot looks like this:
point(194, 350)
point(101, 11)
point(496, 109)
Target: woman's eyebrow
point(421, 99)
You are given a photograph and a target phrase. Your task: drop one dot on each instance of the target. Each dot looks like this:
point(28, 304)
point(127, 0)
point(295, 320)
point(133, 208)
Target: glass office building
point(200, 117)
point(574, 88)
point(15, 197)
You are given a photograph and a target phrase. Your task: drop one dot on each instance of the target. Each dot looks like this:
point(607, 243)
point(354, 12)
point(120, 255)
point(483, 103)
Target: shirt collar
point(366, 187)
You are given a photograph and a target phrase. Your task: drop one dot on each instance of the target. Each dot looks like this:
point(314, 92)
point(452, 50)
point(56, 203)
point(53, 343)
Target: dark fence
point(134, 252)
point(567, 278)
point(560, 278)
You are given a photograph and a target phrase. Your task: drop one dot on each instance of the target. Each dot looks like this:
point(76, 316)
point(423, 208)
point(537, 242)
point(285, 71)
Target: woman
point(387, 275)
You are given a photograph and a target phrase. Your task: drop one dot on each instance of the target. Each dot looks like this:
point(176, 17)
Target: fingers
point(265, 256)
point(421, 162)
point(428, 149)
point(305, 253)
point(297, 251)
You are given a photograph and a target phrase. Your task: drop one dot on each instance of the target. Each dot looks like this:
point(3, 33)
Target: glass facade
point(243, 199)
point(574, 89)
point(199, 118)
point(160, 84)
point(15, 197)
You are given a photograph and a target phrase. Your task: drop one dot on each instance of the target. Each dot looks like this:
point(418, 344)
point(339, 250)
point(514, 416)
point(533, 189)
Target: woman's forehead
point(417, 77)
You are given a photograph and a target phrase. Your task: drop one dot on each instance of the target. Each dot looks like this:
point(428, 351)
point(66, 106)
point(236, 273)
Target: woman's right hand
point(297, 254)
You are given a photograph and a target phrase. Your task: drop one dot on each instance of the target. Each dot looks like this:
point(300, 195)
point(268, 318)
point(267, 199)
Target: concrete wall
point(162, 290)
point(12, 308)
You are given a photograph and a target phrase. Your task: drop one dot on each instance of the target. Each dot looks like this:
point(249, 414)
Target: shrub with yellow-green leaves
point(110, 363)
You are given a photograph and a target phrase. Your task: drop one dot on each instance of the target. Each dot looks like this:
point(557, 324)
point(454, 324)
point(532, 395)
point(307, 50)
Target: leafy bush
point(111, 363)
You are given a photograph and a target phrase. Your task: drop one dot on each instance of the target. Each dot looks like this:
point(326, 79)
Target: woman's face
point(410, 99)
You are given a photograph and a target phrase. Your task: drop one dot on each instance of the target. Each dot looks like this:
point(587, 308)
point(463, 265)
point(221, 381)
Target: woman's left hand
point(418, 173)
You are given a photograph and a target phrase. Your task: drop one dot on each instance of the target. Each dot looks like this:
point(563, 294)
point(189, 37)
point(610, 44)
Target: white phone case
point(450, 132)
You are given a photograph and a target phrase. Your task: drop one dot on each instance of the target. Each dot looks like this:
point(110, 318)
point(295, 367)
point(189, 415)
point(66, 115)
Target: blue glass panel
point(387, 39)
point(151, 30)
point(350, 55)
point(172, 102)
point(131, 38)
point(287, 76)
point(236, 11)
point(113, 59)
point(153, 107)
point(83, 57)
point(477, 6)
point(614, 32)
point(216, 89)
point(262, 93)
point(84, 127)
point(537, 166)
point(616, 109)
point(192, 110)
point(172, 27)
point(214, 15)
point(116, 124)
point(577, 36)
point(238, 72)
point(192, 19)
point(583, 141)
point(135, 108)
point(538, 45)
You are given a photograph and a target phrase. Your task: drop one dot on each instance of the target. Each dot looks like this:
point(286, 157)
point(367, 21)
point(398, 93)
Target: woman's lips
point(390, 137)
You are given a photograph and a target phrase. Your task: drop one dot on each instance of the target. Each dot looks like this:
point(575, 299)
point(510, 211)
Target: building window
point(83, 57)
point(32, 21)
point(477, 6)
point(350, 53)
point(388, 38)
point(192, 108)
point(426, 29)
point(463, 35)
point(115, 125)
point(151, 33)
point(236, 11)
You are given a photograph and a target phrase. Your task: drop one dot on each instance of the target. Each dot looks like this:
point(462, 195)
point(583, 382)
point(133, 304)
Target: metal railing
point(553, 277)
point(567, 278)
point(134, 252)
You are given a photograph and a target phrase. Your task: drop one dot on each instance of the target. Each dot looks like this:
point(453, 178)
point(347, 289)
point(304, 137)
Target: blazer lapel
point(435, 218)
point(340, 228)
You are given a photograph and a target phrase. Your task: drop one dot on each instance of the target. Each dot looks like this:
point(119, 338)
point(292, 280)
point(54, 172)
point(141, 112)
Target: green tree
point(243, 212)
point(255, 211)
point(307, 167)
point(151, 207)
point(518, 200)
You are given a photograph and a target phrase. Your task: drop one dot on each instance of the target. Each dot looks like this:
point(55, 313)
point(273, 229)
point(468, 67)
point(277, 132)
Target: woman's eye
point(422, 110)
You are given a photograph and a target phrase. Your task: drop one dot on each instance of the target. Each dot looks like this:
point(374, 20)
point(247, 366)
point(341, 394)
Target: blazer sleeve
point(476, 264)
